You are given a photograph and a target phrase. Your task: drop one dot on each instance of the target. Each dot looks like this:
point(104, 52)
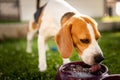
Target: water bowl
point(112, 77)
point(79, 71)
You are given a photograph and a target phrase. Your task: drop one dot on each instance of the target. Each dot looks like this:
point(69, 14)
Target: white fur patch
point(92, 50)
point(67, 60)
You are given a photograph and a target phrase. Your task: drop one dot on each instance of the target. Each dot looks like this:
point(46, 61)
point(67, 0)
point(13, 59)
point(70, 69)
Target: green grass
point(110, 44)
point(111, 19)
point(108, 19)
point(16, 64)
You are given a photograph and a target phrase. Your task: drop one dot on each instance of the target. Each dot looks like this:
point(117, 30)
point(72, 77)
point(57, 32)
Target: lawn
point(16, 64)
point(108, 19)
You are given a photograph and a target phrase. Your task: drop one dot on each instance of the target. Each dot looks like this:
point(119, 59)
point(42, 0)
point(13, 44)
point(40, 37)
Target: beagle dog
point(70, 29)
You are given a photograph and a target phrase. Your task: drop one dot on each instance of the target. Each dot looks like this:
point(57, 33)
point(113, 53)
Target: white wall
point(27, 8)
point(94, 8)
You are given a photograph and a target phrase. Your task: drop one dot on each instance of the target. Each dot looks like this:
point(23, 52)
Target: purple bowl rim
point(111, 75)
point(60, 68)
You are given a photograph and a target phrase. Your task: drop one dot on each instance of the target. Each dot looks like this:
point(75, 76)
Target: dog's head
point(80, 32)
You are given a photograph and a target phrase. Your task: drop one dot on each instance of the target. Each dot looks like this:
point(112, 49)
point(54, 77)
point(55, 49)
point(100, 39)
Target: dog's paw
point(42, 67)
point(67, 60)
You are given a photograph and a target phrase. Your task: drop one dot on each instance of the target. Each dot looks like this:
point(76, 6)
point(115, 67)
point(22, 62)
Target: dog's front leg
point(42, 53)
point(30, 36)
point(66, 60)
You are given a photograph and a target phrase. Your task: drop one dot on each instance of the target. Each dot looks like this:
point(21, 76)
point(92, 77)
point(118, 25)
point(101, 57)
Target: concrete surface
point(18, 30)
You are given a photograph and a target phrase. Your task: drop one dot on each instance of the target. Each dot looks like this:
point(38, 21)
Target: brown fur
point(80, 31)
point(89, 20)
point(64, 41)
point(72, 31)
point(34, 26)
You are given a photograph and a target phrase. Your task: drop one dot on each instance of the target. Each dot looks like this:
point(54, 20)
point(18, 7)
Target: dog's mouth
point(95, 68)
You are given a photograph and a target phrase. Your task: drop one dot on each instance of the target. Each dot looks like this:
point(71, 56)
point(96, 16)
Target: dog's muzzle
point(98, 58)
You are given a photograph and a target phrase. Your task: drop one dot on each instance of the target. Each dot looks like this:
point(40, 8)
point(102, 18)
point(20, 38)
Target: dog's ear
point(64, 41)
point(93, 23)
point(90, 20)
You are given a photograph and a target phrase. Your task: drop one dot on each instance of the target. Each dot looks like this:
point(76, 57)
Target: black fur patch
point(38, 13)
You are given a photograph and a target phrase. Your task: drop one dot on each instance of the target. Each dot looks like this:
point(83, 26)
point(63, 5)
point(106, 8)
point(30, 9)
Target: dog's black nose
point(98, 58)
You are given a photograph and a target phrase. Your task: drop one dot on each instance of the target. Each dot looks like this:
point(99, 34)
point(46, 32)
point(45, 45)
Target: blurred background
point(21, 11)
point(16, 64)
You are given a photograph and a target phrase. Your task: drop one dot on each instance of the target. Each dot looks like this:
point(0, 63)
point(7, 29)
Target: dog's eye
point(86, 41)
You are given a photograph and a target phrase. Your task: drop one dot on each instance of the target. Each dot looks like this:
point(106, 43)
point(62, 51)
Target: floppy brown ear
point(64, 41)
